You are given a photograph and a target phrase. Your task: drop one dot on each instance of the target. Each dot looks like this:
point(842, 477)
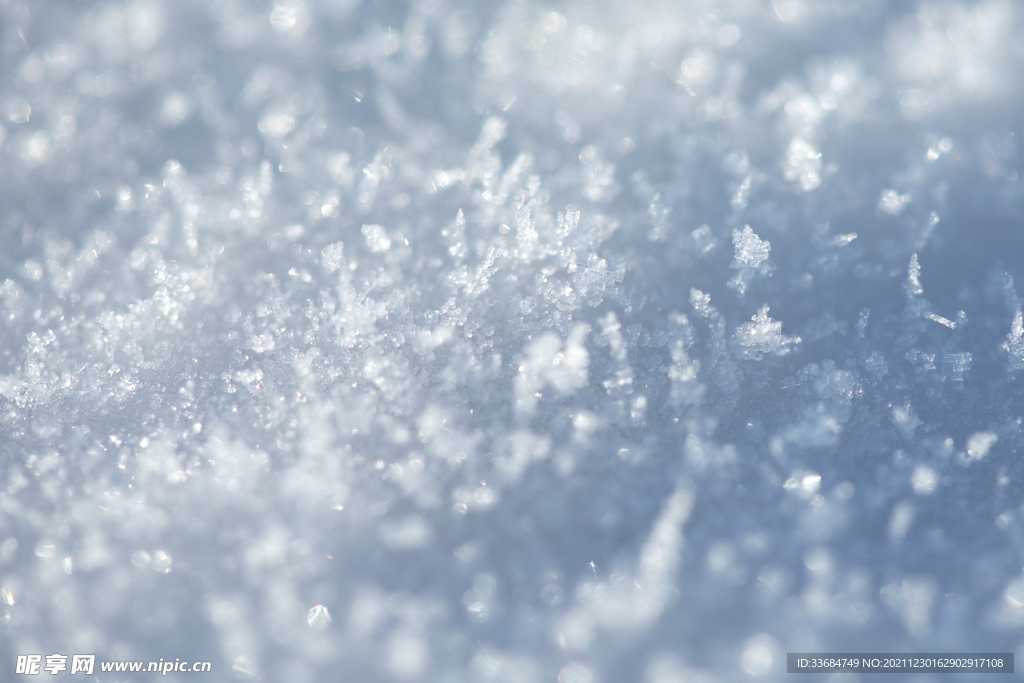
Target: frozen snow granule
point(246, 667)
point(924, 480)
point(750, 258)
point(1014, 344)
point(899, 524)
point(408, 655)
point(803, 164)
point(175, 109)
point(939, 148)
point(376, 238)
point(955, 366)
point(704, 239)
point(599, 176)
point(819, 560)
point(277, 123)
point(318, 618)
point(906, 419)
point(409, 533)
point(876, 365)
point(751, 250)
point(697, 69)
point(548, 362)
point(289, 17)
point(331, 256)
point(759, 653)
point(761, 336)
point(979, 444)
point(892, 202)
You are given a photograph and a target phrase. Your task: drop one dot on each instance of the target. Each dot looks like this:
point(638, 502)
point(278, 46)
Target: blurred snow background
point(588, 342)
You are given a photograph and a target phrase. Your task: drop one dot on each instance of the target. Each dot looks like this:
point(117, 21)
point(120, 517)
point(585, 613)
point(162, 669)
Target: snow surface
point(511, 342)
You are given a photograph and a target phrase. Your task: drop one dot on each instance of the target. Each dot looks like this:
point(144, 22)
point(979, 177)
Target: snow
point(405, 342)
point(751, 257)
point(761, 336)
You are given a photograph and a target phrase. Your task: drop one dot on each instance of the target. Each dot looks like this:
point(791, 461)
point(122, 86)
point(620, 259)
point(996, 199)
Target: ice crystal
point(803, 164)
point(751, 257)
point(1014, 344)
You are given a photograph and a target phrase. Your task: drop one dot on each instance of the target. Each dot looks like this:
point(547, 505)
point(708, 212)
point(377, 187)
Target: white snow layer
point(376, 341)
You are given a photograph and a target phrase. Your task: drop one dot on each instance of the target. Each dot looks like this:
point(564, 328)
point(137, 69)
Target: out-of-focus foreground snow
point(430, 341)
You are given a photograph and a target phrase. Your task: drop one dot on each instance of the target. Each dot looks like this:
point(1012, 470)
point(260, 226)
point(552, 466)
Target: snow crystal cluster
point(509, 342)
